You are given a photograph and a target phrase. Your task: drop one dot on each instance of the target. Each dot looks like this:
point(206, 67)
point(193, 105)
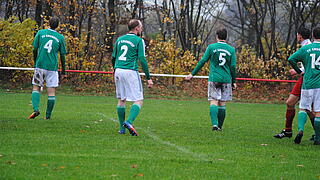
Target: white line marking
point(199, 156)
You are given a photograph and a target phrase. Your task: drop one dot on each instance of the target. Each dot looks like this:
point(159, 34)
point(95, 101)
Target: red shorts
point(297, 87)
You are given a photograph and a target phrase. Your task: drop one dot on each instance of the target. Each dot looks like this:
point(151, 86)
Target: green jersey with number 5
point(128, 50)
point(309, 55)
point(222, 62)
point(48, 43)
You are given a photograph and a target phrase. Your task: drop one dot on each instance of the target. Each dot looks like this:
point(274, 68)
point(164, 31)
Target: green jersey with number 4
point(222, 62)
point(309, 55)
point(48, 43)
point(128, 50)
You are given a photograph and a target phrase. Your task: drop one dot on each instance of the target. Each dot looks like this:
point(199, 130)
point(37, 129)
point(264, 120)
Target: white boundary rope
point(156, 75)
point(17, 68)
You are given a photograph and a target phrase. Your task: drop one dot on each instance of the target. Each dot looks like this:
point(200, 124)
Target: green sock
point(121, 110)
point(134, 111)
point(50, 104)
point(214, 115)
point(317, 128)
point(35, 98)
point(221, 115)
point(302, 119)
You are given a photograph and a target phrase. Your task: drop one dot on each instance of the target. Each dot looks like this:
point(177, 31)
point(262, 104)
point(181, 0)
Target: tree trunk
point(9, 7)
point(135, 9)
point(183, 25)
point(89, 29)
point(38, 12)
point(242, 21)
point(48, 9)
point(159, 17)
point(71, 4)
point(112, 27)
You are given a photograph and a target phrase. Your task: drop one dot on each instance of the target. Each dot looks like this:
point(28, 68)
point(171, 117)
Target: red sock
point(289, 118)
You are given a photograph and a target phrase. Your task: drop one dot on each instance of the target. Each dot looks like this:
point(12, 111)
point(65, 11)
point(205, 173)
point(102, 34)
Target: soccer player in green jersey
point(309, 55)
point(303, 36)
point(128, 51)
point(222, 77)
point(46, 45)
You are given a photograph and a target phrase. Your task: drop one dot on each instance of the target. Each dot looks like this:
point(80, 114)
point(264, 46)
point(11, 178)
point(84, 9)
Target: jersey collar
point(305, 42)
point(222, 42)
point(131, 34)
point(52, 30)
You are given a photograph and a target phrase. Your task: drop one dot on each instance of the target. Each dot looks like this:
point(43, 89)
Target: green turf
point(175, 142)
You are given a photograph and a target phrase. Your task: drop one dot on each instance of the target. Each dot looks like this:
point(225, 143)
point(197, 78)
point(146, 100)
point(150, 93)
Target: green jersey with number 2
point(48, 43)
point(309, 55)
point(127, 51)
point(222, 62)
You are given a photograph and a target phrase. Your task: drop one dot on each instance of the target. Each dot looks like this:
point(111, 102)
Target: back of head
point(304, 32)
point(133, 23)
point(222, 34)
point(316, 33)
point(54, 22)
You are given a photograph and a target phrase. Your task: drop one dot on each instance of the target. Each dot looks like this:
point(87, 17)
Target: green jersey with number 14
point(222, 62)
point(48, 42)
point(309, 55)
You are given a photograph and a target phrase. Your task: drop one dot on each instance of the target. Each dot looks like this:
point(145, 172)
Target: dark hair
point(304, 32)
point(222, 34)
point(316, 33)
point(54, 22)
point(133, 23)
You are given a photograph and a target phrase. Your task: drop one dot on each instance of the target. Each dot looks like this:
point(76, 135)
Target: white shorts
point(41, 75)
point(128, 85)
point(310, 99)
point(219, 91)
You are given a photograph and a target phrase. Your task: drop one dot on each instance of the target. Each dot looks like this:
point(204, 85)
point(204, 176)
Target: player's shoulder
point(223, 45)
point(61, 36)
point(128, 36)
point(305, 47)
point(42, 31)
point(132, 38)
point(54, 33)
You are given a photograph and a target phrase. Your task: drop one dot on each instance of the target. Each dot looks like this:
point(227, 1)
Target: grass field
point(175, 142)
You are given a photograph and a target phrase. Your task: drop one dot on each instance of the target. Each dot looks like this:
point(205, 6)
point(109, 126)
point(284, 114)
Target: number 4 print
point(314, 62)
point(48, 46)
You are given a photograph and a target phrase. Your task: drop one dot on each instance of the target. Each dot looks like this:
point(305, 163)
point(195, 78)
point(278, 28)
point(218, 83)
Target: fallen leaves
point(137, 175)
point(11, 162)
